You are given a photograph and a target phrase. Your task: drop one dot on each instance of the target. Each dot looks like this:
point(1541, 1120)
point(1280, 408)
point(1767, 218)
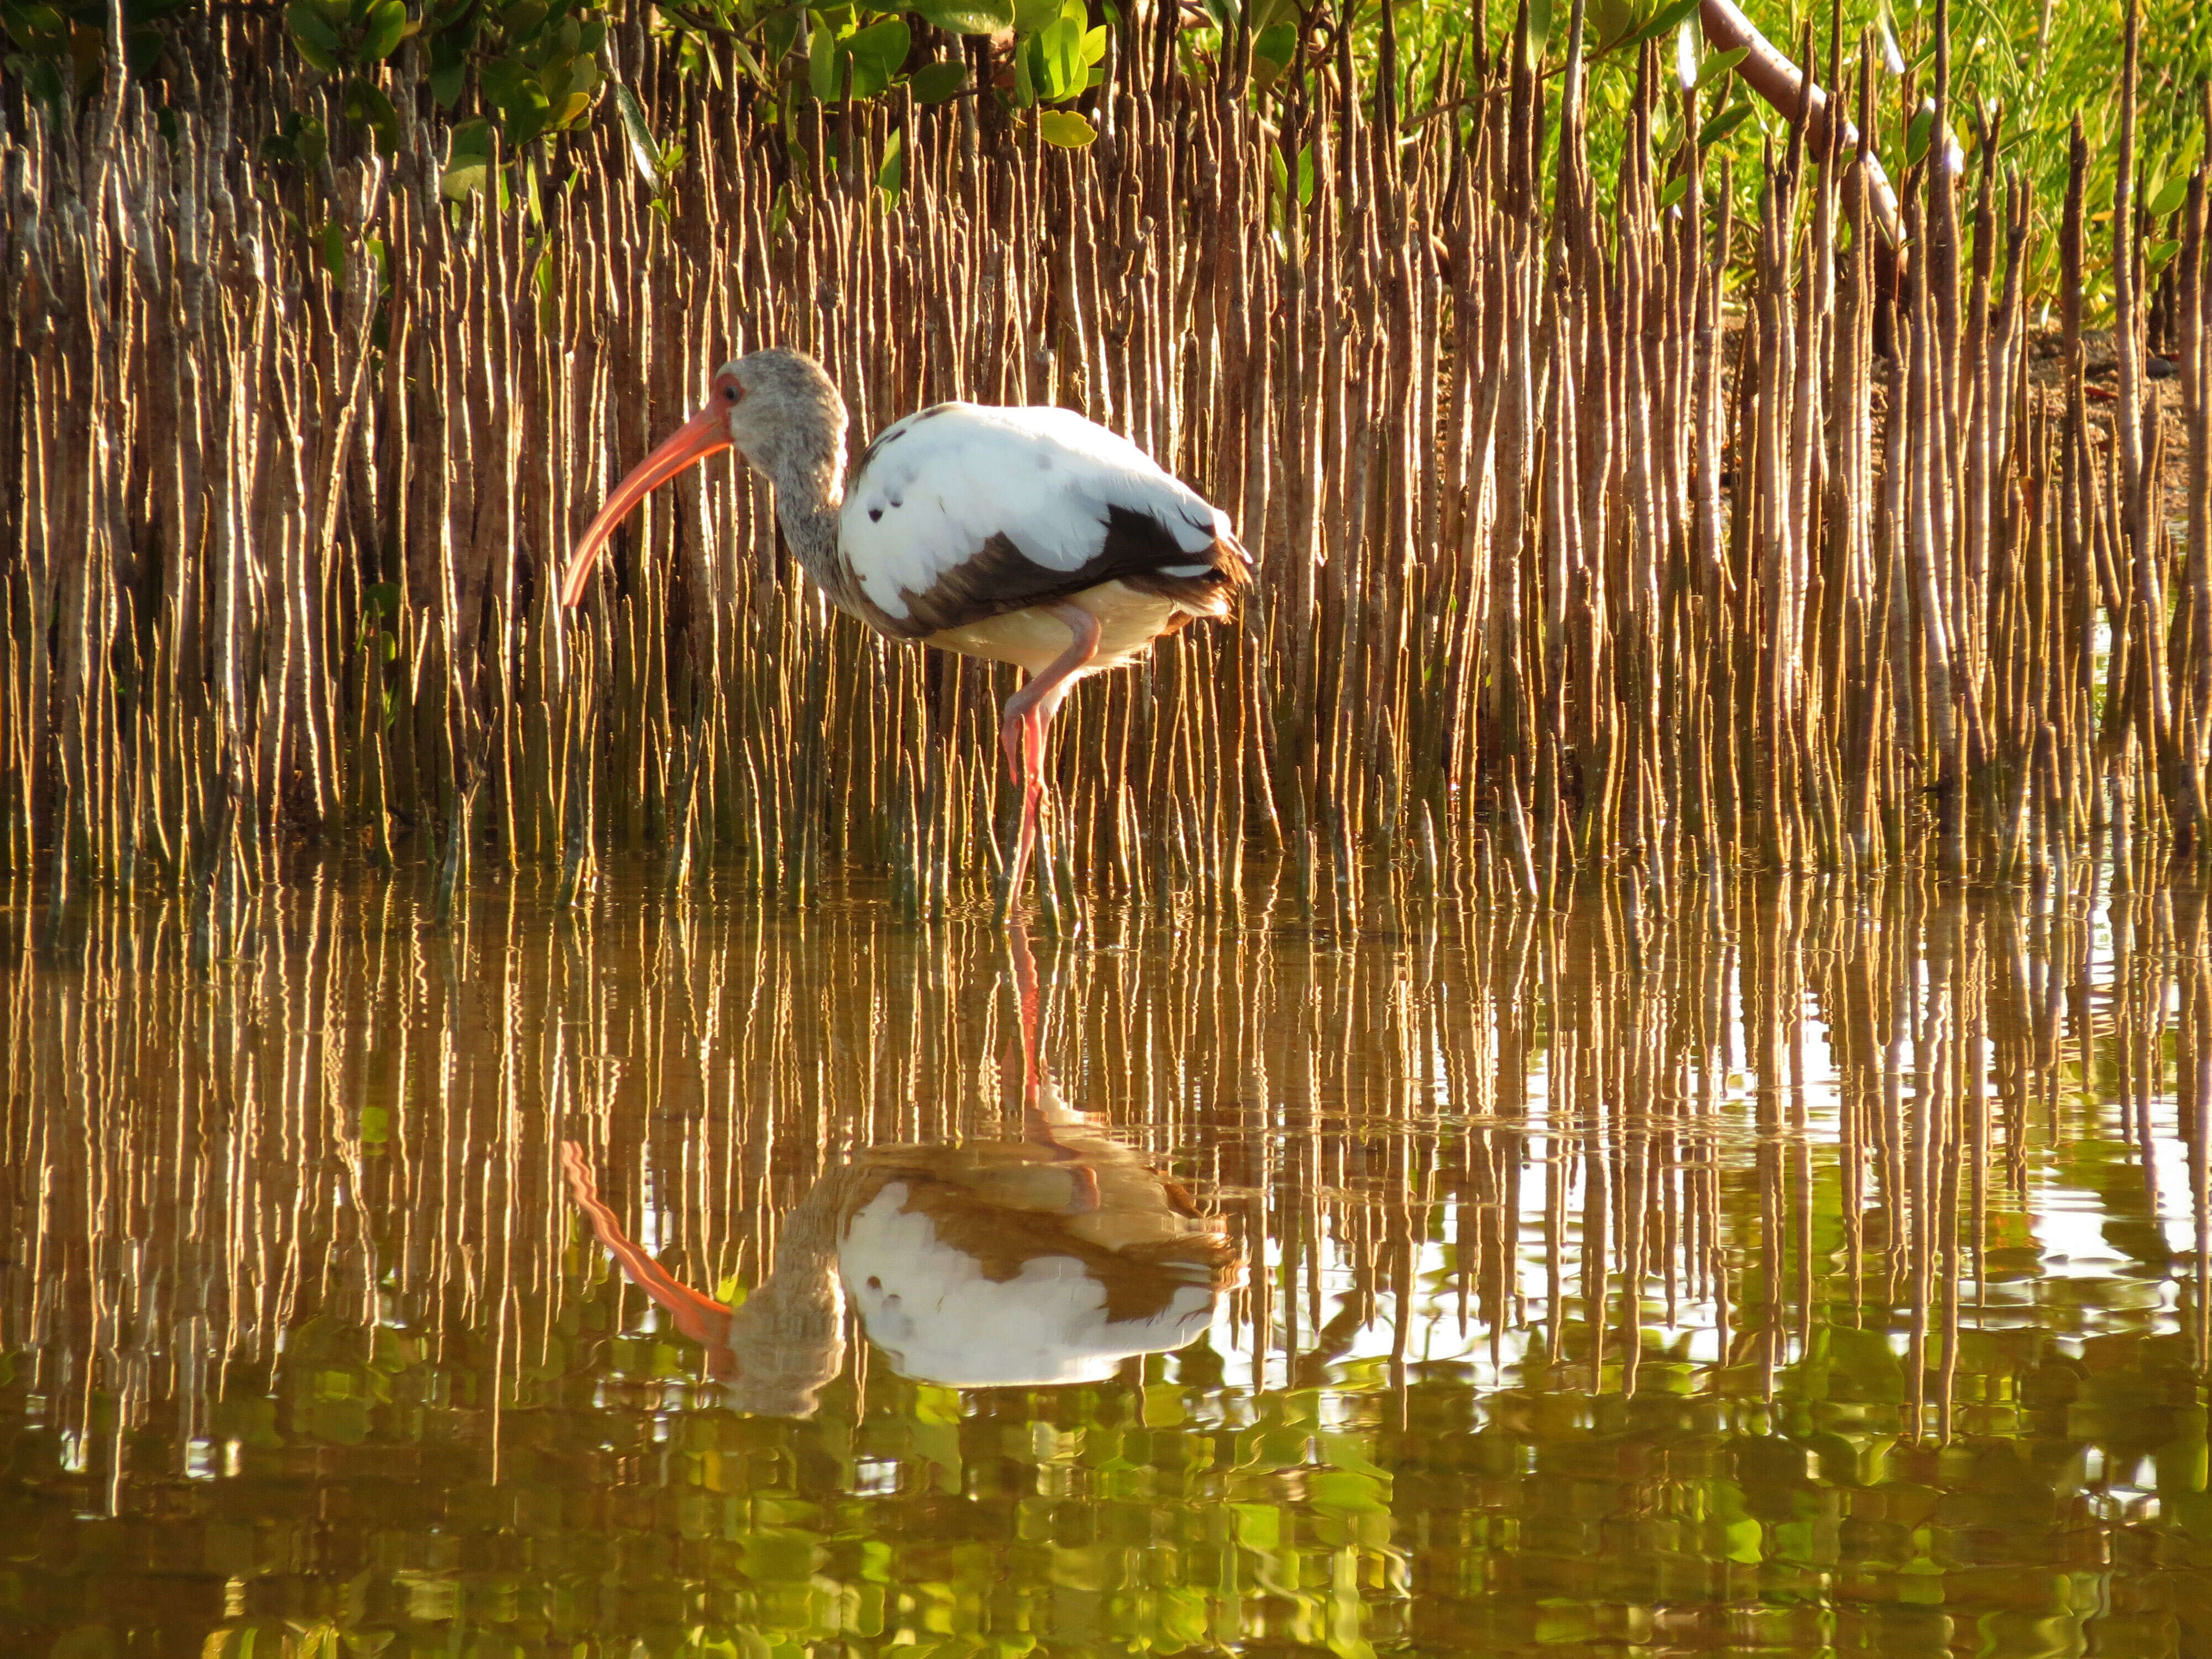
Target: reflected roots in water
point(1813, 1268)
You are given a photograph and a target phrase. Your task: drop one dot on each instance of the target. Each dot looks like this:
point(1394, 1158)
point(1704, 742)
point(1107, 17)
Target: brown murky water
point(1795, 1269)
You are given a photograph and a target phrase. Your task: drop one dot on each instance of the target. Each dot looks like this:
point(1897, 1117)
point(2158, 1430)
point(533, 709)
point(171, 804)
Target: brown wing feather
point(1138, 548)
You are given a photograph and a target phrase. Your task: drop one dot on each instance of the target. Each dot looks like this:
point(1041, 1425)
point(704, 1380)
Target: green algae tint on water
point(1787, 1269)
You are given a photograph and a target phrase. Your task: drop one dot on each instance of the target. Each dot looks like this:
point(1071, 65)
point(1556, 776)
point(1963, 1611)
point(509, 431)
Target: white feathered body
point(941, 1316)
point(963, 525)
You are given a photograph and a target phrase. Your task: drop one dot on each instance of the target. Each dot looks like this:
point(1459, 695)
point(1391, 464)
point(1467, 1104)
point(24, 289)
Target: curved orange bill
point(704, 434)
point(698, 1316)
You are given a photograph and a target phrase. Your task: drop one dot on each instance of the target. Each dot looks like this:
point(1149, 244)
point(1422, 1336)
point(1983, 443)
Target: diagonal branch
point(1782, 84)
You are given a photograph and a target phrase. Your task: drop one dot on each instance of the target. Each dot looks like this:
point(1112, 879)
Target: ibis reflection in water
point(1048, 1259)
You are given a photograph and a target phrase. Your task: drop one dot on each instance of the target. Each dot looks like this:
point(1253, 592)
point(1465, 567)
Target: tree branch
point(1781, 85)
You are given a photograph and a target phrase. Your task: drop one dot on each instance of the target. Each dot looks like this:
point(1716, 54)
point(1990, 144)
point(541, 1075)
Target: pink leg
point(1029, 711)
point(1025, 1003)
point(1038, 1124)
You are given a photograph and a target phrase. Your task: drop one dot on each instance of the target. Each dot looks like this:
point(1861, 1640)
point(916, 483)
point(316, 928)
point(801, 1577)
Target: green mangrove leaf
point(582, 83)
point(449, 68)
point(41, 78)
point(501, 80)
point(878, 52)
point(142, 49)
point(1277, 46)
point(967, 16)
point(752, 64)
point(1031, 15)
point(527, 113)
point(782, 32)
point(311, 141)
point(318, 42)
point(891, 176)
point(387, 27)
point(1065, 128)
point(1674, 190)
point(39, 28)
point(822, 59)
point(1916, 135)
point(1060, 58)
point(932, 83)
point(468, 161)
point(301, 139)
point(1723, 124)
point(1539, 35)
point(1667, 17)
point(1720, 63)
point(644, 153)
point(366, 106)
point(2169, 198)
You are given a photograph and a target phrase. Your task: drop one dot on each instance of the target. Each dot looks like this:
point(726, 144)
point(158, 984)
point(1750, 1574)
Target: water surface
point(1785, 1268)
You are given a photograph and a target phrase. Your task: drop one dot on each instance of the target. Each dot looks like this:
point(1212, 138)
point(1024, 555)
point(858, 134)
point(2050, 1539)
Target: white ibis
point(1027, 536)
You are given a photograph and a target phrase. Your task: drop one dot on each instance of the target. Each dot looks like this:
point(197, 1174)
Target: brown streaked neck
point(807, 473)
